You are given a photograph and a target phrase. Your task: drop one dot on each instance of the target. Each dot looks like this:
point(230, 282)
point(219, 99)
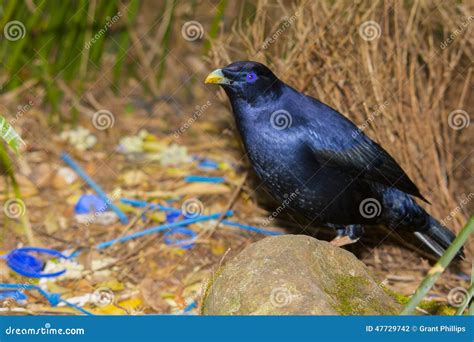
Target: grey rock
point(295, 275)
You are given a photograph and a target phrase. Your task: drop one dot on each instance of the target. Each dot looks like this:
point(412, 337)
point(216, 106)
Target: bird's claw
point(342, 241)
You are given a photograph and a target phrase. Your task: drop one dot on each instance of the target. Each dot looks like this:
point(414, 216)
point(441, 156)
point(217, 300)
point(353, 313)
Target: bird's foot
point(348, 235)
point(340, 241)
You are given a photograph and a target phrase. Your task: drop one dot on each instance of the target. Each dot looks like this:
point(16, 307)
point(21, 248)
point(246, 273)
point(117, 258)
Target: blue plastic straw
point(53, 298)
point(143, 204)
point(250, 228)
point(191, 306)
point(163, 227)
point(208, 164)
point(68, 160)
point(184, 243)
point(204, 179)
point(247, 227)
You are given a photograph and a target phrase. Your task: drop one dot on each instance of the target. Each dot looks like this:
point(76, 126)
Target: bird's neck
point(246, 106)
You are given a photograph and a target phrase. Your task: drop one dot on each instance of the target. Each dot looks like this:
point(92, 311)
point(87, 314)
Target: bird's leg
point(347, 235)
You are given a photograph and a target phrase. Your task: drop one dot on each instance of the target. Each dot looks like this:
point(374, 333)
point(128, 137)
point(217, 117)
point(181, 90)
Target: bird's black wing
point(337, 142)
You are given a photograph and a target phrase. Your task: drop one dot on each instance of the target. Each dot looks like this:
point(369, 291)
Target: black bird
point(310, 155)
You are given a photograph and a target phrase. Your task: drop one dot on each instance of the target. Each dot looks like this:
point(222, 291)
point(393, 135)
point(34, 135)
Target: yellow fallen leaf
point(202, 189)
point(217, 248)
point(123, 307)
point(110, 309)
point(131, 304)
point(158, 216)
point(112, 284)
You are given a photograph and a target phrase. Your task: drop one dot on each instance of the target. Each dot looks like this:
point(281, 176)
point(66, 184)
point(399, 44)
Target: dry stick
point(87, 38)
point(93, 101)
point(144, 61)
point(9, 96)
point(73, 98)
point(230, 204)
point(439, 268)
point(133, 222)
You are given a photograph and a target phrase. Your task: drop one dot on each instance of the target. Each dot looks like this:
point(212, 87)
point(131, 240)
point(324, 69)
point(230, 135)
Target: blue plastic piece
point(184, 243)
point(90, 204)
point(98, 190)
point(250, 228)
point(204, 179)
point(208, 164)
point(53, 298)
point(163, 227)
point(18, 296)
point(191, 306)
point(22, 262)
point(173, 215)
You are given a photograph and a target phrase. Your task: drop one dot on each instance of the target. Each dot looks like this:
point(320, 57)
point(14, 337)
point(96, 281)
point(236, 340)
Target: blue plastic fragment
point(163, 227)
point(98, 190)
point(250, 228)
point(173, 215)
point(190, 306)
point(22, 262)
point(225, 222)
point(184, 243)
point(204, 179)
point(208, 164)
point(53, 298)
point(18, 296)
point(90, 204)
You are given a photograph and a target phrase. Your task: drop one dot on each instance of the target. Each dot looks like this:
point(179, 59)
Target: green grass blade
point(10, 136)
point(439, 268)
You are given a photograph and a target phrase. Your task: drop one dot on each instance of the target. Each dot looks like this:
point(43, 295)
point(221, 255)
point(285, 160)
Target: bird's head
point(245, 79)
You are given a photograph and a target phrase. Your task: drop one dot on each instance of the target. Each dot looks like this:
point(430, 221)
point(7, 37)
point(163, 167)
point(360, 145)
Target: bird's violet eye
point(251, 77)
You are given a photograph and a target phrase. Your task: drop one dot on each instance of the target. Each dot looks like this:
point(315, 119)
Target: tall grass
point(399, 80)
point(51, 40)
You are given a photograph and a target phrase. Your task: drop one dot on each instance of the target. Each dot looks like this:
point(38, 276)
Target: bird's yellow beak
point(217, 77)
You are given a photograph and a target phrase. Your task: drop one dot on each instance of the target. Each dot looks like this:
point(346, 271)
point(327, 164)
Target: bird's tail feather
point(438, 238)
